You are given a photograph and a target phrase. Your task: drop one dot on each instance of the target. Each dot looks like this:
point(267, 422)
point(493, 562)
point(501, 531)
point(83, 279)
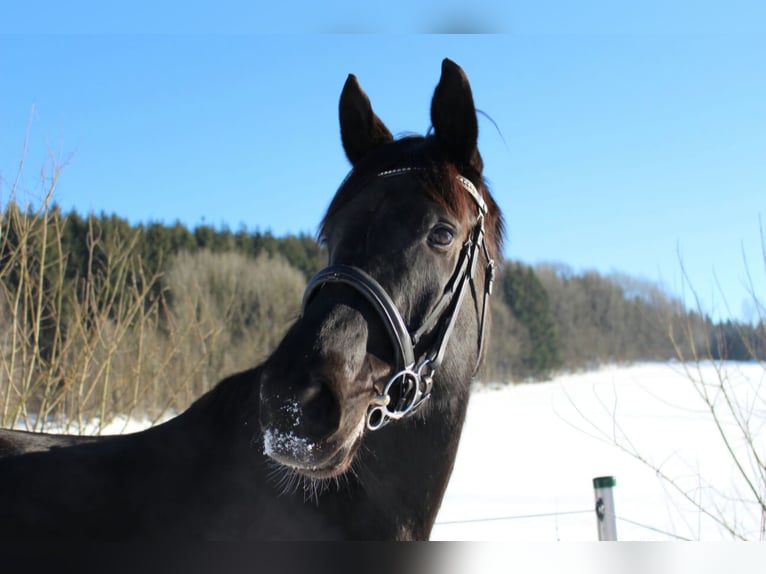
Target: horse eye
point(441, 236)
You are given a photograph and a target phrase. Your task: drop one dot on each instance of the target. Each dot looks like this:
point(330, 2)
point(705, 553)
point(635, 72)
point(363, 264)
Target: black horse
point(349, 429)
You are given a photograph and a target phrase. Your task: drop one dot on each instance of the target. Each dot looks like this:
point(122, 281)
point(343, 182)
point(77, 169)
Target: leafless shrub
point(229, 308)
point(115, 337)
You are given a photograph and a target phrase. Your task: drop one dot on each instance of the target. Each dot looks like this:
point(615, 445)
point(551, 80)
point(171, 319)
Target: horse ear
point(360, 129)
point(453, 115)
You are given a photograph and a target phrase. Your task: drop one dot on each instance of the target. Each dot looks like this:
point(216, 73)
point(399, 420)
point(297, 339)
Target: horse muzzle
point(308, 430)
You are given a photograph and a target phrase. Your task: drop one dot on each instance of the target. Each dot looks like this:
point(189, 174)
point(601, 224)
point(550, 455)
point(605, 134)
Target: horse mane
point(438, 176)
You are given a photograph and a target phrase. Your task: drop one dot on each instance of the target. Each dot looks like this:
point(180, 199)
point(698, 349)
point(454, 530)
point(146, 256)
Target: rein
point(412, 382)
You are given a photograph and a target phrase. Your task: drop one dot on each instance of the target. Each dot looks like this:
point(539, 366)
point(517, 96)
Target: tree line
point(545, 318)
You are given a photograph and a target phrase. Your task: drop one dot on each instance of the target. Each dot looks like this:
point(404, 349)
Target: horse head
point(394, 327)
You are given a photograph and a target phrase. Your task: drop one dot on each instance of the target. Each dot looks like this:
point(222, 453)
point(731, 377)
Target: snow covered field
point(529, 453)
point(531, 450)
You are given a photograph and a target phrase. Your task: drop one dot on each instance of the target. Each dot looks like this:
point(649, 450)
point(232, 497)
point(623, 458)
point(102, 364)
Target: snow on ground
point(531, 450)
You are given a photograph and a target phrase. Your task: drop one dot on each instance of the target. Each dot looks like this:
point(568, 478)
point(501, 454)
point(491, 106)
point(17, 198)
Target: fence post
point(607, 526)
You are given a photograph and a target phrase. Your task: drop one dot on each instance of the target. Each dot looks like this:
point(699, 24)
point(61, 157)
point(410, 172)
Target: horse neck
point(229, 409)
point(397, 483)
point(404, 470)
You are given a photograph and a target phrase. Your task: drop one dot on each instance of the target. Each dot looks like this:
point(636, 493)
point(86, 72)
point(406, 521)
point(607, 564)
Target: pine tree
point(527, 298)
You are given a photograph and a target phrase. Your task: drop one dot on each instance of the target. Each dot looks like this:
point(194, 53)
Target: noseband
point(411, 384)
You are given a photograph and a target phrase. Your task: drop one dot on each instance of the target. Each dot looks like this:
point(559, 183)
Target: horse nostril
point(320, 409)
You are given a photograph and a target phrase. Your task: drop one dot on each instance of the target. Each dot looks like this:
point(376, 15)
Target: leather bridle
point(412, 382)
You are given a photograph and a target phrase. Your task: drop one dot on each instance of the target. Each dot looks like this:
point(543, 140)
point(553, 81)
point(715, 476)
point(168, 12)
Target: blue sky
point(625, 138)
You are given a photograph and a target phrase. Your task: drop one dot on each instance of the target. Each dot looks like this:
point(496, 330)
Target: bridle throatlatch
point(412, 382)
